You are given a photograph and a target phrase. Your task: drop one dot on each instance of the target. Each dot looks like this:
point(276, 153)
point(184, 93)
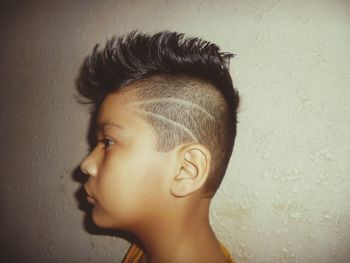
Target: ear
point(193, 169)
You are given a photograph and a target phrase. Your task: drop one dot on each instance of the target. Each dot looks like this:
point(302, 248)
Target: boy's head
point(180, 87)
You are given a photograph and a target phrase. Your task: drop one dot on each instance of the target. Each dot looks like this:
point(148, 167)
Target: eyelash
point(106, 140)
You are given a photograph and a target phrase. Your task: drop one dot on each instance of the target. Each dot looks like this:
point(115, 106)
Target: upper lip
point(87, 191)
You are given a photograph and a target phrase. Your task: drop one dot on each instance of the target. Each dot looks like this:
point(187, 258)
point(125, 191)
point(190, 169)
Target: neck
point(176, 237)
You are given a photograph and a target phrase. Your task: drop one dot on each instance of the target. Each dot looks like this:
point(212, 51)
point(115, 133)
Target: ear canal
point(187, 171)
point(191, 169)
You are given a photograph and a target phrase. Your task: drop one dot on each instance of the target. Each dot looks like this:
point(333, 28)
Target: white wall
point(286, 194)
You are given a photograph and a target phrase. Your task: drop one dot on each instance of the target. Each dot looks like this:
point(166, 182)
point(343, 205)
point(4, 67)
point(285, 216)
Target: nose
point(89, 165)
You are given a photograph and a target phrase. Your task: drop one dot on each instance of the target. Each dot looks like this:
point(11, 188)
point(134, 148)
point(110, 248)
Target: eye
point(106, 142)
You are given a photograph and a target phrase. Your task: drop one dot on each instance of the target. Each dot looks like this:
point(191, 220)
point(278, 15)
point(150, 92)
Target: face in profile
point(126, 173)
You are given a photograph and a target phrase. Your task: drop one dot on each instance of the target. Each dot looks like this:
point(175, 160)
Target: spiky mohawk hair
point(164, 68)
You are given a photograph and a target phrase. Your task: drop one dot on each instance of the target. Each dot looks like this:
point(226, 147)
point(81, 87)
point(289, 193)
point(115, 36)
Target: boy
point(166, 127)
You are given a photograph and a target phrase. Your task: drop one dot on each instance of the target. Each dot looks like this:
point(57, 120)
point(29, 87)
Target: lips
point(89, 198)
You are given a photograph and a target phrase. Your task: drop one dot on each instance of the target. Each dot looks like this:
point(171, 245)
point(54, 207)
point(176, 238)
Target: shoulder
point(133, 255)
point(227, 254)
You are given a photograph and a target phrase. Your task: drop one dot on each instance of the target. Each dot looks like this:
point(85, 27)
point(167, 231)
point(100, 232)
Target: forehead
point(114, 103)
point(116, 110)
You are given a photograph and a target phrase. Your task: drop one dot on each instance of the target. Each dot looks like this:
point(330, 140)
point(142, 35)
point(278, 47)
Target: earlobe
point(194, 162)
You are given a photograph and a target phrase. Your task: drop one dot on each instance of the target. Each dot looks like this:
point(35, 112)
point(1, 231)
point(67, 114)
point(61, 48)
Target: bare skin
point(156, 196)
point(189, 238)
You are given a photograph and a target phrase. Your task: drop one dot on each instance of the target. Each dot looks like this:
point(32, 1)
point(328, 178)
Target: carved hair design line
point(173, 100)
point(155, 115)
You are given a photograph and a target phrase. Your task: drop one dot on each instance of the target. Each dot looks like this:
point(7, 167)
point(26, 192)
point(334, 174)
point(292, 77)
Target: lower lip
point(91, 200)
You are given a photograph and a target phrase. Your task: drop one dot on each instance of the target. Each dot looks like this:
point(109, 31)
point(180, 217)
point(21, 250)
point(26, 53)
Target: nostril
point(83, 169)
point(89, 168)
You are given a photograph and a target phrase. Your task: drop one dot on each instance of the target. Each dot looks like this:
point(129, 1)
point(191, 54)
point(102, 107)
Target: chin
point(100, 220)
point(106, 221)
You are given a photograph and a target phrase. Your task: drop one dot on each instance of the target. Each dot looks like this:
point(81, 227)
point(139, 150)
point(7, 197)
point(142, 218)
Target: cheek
point(131, 189)
point(130, 186)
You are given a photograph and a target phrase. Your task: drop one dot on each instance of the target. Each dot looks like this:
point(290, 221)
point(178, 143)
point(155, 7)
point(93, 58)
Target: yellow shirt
point(135, 253)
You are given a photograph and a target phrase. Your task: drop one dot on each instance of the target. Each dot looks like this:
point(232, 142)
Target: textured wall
point(286, 194)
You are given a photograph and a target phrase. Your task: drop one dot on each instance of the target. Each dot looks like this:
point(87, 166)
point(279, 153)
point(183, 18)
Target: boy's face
point(127, 176)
